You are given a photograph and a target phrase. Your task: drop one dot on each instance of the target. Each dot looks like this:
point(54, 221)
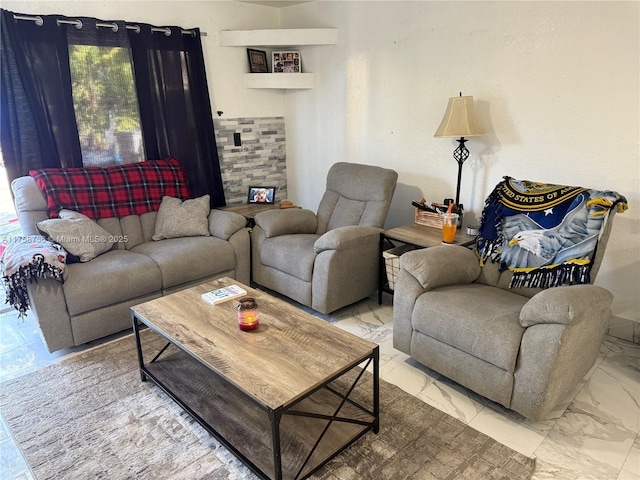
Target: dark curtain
point(38, 126)
point(175, 109)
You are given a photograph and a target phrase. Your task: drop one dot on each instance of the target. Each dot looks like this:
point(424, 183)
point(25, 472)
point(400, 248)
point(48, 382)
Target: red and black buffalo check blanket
point(117, 191)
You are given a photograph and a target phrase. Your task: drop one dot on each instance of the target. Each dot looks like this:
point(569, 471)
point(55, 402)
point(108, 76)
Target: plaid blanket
point(117, 191)
point(545, 234)
point(27, 259)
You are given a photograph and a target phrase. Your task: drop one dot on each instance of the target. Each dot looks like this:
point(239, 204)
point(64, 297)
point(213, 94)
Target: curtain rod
point(113, 26)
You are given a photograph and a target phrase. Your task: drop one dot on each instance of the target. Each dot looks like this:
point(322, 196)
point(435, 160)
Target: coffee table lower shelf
point(288, 443)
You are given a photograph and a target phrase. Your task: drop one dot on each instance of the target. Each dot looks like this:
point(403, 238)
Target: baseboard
point(625, 329)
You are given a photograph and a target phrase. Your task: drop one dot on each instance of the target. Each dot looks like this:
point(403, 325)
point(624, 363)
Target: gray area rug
point(91, 417)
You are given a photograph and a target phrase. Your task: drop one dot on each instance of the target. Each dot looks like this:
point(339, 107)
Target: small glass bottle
point(460, 215)
point(248, 315)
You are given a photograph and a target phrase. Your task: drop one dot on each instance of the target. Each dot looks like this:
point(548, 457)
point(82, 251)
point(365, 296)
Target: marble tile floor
point(592, 434)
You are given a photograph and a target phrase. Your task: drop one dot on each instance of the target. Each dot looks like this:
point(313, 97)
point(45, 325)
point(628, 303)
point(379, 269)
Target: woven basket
point(392, 262)
point(430, 219)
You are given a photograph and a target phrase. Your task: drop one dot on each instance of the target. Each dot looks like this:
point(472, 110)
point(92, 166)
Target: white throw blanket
point(29, 258)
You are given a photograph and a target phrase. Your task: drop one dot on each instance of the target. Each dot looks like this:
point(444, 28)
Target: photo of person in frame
point(261, 194)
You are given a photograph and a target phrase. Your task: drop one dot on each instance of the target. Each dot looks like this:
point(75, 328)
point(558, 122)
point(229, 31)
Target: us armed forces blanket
point(545, 234)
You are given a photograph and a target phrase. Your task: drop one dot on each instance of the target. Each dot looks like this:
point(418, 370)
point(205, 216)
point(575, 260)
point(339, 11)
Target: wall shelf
point(279, 37)
point(279, 80)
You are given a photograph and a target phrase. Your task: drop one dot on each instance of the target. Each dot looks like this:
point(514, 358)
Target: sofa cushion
point(131, 227)
point(79, 235)
point(292, 254)
point(183, 260)
point(493, 333)
point(177, 218)
point(114, 277)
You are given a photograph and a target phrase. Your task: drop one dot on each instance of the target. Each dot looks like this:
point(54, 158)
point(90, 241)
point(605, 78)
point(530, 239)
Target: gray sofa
point(524, 348)
point(95, 297)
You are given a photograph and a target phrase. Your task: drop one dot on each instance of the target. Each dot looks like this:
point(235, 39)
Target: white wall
point(556, 85)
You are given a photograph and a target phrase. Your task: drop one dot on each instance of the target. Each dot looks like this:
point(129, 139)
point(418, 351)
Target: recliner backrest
point(356, 194)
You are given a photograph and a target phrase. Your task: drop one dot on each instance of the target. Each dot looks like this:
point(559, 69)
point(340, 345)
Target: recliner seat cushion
point(120, 275)
point(183, 260)
point(452, 315)
point(292, 254)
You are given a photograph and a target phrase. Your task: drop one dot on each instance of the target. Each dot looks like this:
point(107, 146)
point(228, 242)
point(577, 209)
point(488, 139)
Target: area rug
point(89, 417)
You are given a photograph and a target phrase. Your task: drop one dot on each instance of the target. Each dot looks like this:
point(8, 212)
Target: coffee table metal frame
point(274, 415)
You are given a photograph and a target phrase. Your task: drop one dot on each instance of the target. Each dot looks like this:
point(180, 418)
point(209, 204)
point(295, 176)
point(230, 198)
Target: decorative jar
point(248, 314)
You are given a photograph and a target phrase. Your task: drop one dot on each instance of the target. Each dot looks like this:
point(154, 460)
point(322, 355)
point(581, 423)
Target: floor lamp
point(460, 120)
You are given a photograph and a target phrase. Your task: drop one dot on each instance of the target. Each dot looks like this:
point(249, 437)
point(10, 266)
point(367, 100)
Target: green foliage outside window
point(105, 101)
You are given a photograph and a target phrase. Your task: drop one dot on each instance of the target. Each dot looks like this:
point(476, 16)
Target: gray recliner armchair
point(330, 259)
point(524, 348)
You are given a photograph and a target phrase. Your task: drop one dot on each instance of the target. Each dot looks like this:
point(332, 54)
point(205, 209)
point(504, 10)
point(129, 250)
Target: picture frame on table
point(286, 62)
point(257, 61)
point(264, 195)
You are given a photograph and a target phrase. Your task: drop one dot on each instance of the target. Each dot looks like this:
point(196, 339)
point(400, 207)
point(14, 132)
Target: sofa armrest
point(48, 304)
point(440, 266)
point(565, 305)
point(241, 244)
point(223, 224)
point(287, 221)
point(406, 292)
point(345, 237)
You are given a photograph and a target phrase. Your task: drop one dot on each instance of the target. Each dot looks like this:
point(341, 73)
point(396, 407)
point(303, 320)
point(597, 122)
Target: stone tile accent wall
point(259, 161)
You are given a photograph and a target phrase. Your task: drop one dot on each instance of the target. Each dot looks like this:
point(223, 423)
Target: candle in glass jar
point(248, 315)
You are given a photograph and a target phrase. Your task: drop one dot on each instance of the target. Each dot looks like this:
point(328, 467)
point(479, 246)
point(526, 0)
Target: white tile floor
point(594, 434)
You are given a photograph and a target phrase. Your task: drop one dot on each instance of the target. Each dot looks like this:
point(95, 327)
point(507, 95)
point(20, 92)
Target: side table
point(250, 210)
point(419, 236)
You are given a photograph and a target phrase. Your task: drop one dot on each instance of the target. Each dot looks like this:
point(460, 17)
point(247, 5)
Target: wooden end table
point(250, 210)
point(419, 236)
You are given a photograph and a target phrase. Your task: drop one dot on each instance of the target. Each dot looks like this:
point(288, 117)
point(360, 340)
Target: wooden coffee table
point(285, 397)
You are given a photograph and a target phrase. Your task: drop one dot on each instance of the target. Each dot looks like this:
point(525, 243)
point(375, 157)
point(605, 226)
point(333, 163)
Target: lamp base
point(460, 154)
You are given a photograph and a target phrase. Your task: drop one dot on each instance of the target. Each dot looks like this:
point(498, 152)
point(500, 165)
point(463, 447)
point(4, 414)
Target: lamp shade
point(460, 119)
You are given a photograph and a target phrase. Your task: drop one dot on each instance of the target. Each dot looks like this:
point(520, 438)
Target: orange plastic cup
point(449, 225)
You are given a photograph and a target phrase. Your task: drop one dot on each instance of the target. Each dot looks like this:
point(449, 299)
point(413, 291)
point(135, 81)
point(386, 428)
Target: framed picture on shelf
point(257, 61)
point(261, 195)
point(286, 62)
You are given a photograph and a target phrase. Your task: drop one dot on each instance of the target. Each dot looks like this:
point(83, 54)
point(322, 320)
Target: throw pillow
point(78, 235)
point(177, 218)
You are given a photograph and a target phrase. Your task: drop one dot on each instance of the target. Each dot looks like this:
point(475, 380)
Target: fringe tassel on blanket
point(16, 283)
point(29, 258)
point(489, 241)
point(563, 274)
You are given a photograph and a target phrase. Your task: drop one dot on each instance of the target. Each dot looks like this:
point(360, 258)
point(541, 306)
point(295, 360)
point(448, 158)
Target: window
point(106, 105)
point(99, 92)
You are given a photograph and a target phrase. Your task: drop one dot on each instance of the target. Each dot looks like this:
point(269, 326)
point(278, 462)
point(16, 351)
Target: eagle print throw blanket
point(545, 234)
